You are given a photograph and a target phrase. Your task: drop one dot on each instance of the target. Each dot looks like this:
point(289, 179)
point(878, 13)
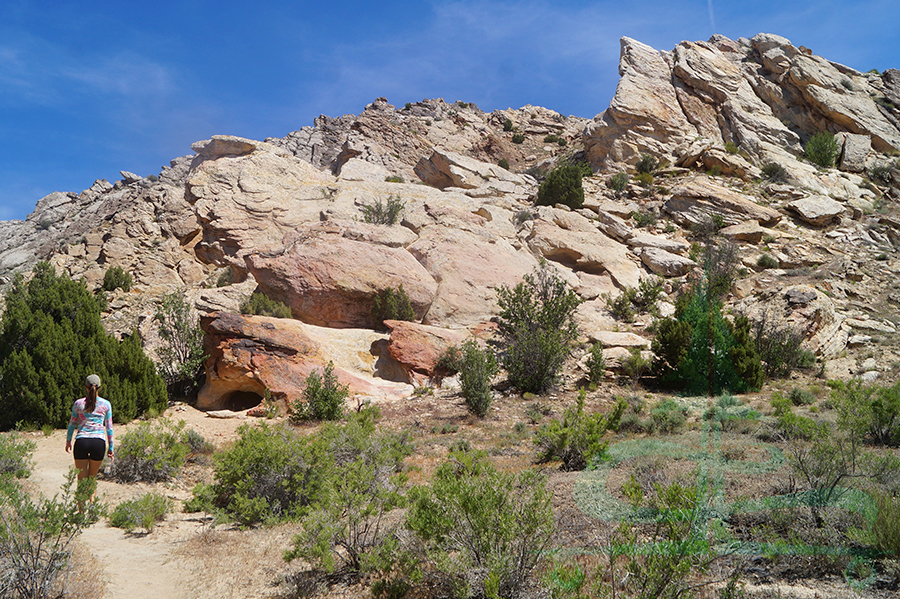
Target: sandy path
point(136, 566)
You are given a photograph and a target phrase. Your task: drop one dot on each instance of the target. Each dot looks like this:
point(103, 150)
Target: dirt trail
point(135, 566)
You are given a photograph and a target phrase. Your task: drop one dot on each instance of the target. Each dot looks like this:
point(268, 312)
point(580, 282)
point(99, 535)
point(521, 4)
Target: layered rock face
point(287, 216)
point(762, 94)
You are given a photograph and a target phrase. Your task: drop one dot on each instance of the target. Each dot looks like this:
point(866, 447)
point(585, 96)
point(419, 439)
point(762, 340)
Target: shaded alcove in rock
point(237, 401)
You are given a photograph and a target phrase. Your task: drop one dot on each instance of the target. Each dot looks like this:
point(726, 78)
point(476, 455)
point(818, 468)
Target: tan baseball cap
point(93, 380)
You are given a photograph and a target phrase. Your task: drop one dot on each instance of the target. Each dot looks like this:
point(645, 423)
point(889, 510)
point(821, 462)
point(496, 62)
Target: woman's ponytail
point(90, 400)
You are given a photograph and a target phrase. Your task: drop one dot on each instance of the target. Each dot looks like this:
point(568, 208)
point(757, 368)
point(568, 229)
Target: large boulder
point(587, 251)
point(327, 279)
point(818, 211)
point(696, 200)
point(249, 356)
point(418, 347)
point(469, 267)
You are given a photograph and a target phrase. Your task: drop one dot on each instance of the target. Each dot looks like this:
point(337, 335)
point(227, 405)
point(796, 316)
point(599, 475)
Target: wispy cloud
point(35, 70)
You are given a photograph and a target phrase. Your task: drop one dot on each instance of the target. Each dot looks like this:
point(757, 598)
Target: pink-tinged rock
point(248, 355)
point(469, 268)
point(329, 280)
point(418, 347)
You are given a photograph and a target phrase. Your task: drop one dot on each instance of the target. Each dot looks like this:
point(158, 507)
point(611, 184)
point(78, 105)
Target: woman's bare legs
point(88, 468)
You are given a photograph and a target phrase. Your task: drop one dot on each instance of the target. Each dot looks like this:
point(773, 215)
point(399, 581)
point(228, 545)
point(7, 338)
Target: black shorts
point(89, 449)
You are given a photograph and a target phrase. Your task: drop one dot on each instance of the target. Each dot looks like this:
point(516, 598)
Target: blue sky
point(91, 88)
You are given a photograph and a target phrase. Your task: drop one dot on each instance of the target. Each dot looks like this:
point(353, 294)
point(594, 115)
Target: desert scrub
point(562, 186)
point(391, 304)
point(772, 171)
point(577, 439)
point(261, 304)
point(38, 536)
point(144, 512)
point(270, 474)
point(595, 363)
point(484, 530)
point(477, 367)
point(151, 452)
point(518, 138)
point(116, 278)
point(323, 397)
point(536, 326)
point(766, 261)
point(362, 480)
point(15, 456)
point(646, 164)
point(822, 149)
point(632, 300)
point(618, 182)
point(383, 213)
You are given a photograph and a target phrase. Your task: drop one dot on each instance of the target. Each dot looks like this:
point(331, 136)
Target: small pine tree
point(261, 304)
point(51, 337)
point(323, 397)
point(562, 186)
point(476, 368)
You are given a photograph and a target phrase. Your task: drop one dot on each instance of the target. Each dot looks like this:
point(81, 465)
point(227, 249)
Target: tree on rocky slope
point(50, 339)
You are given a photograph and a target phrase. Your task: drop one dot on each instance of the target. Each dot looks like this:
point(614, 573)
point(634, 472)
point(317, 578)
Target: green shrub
point(393, 179)
point(323, 397)
point(37, 537)
point(773, 171)
point(181, 354)
point(476, 368)
point(390, 304)
point(577, 439)
point(503, 163)
point(767, 261)
point(631, 301)
point(728, 412)
point(881, 173)
point(117, 278)
point(643, 219)
point(51, 336)
point(261, 304)
point(15, 456)
point(801, 397)
point(226, 277)
point(269, 474)
point(644, 179)
point(668, 416)
point(596, 365)
point(387, 213)
point(361, 482)
point(562, 186)
point(886, 526)
point(672, 552)
point(731, 147)
point(698, 351)
point(618, 182)
point(143, 512)
point(868, 410)
point(536, 325)
point(150, 452)
point(646, 164)
point(780, 348)
point(621, 307)
point(507, 125)
point(518, 138)
point(484, 530)
point(551, 138)
point(822, 149)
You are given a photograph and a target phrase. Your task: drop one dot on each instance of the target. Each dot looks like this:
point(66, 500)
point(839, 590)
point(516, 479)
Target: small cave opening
point(238, 401)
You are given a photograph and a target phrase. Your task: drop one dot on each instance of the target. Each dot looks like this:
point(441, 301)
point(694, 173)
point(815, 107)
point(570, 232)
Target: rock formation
point(286, 216)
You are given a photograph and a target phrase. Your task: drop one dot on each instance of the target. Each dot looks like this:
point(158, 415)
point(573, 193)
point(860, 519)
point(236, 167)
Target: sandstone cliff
point(285, 215)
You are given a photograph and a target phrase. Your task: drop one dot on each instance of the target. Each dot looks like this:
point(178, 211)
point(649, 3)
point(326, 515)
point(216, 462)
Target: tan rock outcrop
point(330, 280)
point(248, 355)
point(696, 200)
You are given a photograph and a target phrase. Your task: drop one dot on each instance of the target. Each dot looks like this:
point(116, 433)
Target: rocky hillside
point(285, 215)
